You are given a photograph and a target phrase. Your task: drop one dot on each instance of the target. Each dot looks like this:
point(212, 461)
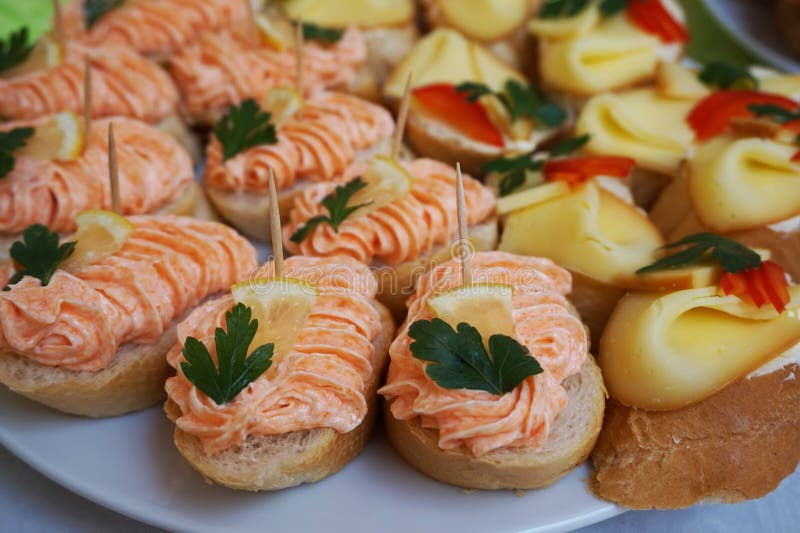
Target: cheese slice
point(342, 13)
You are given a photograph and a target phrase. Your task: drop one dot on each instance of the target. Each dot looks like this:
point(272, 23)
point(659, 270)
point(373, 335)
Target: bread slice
point(736, 445)
point(272, 462)
point(572, 437)
point(134, 380)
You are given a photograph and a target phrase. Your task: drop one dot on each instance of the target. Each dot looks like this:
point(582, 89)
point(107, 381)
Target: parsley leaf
point(731, 255)
point(313, 32)
point(724, 75)
point(609, 8)
point(569, 145)
point(39, 254)
point(459, 360)
point(338, 210)
point(15, 49)
point(778, 114)
point(9, 141)
point(473, 89)
point(562, 8)
point(234, 370)
point(94, 10)
point(521, 101)
point(245, 126)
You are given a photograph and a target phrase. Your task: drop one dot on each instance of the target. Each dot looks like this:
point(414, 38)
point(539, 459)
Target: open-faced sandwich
point(703, 382)
point(86, 322)
point(490, 383)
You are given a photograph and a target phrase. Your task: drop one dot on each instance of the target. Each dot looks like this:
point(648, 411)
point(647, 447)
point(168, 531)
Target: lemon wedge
point(60, 138)
point(387, 181)
point(485, 306)
point(46, 54)
point(100, 234)
point(282, 103)
point(281, 306)
point(276, 33)
point(532, 196)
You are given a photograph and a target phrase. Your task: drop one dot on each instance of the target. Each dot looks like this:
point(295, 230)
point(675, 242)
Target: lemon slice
point(100, 234)
point(486, 306)
point(282, 103)
point(46, 54)
point(276, 33)
point(281, 306)
point(387, 181)
point(60, 138)
point(535, 195)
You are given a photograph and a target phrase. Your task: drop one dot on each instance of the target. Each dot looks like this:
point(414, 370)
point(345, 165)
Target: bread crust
point(272, 462)
point(571, 439)
point(736, 445)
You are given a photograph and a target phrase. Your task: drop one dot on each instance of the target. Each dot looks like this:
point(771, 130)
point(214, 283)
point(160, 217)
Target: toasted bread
point(571, 438)
point(272, 462)
point(736, 445)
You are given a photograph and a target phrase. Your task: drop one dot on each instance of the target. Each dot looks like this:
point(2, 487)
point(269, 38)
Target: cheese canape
point(703, 384)
point(521, 419)
point(85, 324)
point(154, 28)
point(56, 172)
point(467, 105)
point(303, 141)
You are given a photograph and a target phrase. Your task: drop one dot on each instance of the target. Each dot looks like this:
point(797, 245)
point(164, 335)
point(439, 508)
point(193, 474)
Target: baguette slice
point(736, 445)
point(571, 439)
point(272, 462)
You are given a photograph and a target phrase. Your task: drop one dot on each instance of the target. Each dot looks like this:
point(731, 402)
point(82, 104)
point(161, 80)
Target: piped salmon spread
point(79, 320)
point(477, 420)
point(222, 69)
point(400, 231)
point(123, 84)
point(153, 171)
point(320, 383)
point(153, 27)
point(317, 143)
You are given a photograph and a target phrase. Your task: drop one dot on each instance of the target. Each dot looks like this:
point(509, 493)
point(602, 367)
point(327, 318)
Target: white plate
point(752, 24)
point(129, 464)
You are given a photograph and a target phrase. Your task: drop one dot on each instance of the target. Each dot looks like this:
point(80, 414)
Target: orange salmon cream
point(320, 383)
point(397, 232)
point(153, 171)
point(478, 420)
point(123, 84)
point(222, 69)
point(79, 320)
point(153, 27)
point(317, 143)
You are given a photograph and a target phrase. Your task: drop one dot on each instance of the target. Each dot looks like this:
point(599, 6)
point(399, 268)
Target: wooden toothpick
point(87, 100)
point(275, 226)
point(58, 23)
point(113, 174)
point(463, 234)
point(402, 115)
point(299, 53)
point(251, 26)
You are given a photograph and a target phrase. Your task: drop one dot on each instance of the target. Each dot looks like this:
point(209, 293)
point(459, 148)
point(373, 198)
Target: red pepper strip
point(766, 283)
point(576, 170)
point(796, 157)
point(442, 102)
point(713, 114)
point(652, 17)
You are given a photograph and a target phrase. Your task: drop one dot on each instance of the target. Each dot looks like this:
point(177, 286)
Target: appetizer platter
point(516, 266)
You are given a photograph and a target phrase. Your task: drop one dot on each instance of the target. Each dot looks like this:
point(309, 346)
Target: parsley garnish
point(313, 32)
point(609, 8)
point(521, 101)
point(459, 360)
point(15, 49)
point(514, 168)
point(39, 254)
point(234, 370)
point(731, 255)
point(245, 126)
point(338, 210)
point(776, 113)
point(94, 10)
point(9, 141)
point(562, 8)
point(724, 75)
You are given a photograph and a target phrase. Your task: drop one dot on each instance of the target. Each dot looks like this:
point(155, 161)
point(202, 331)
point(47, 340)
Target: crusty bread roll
point(271, 462)
point(571, 439)
point(736, 445)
